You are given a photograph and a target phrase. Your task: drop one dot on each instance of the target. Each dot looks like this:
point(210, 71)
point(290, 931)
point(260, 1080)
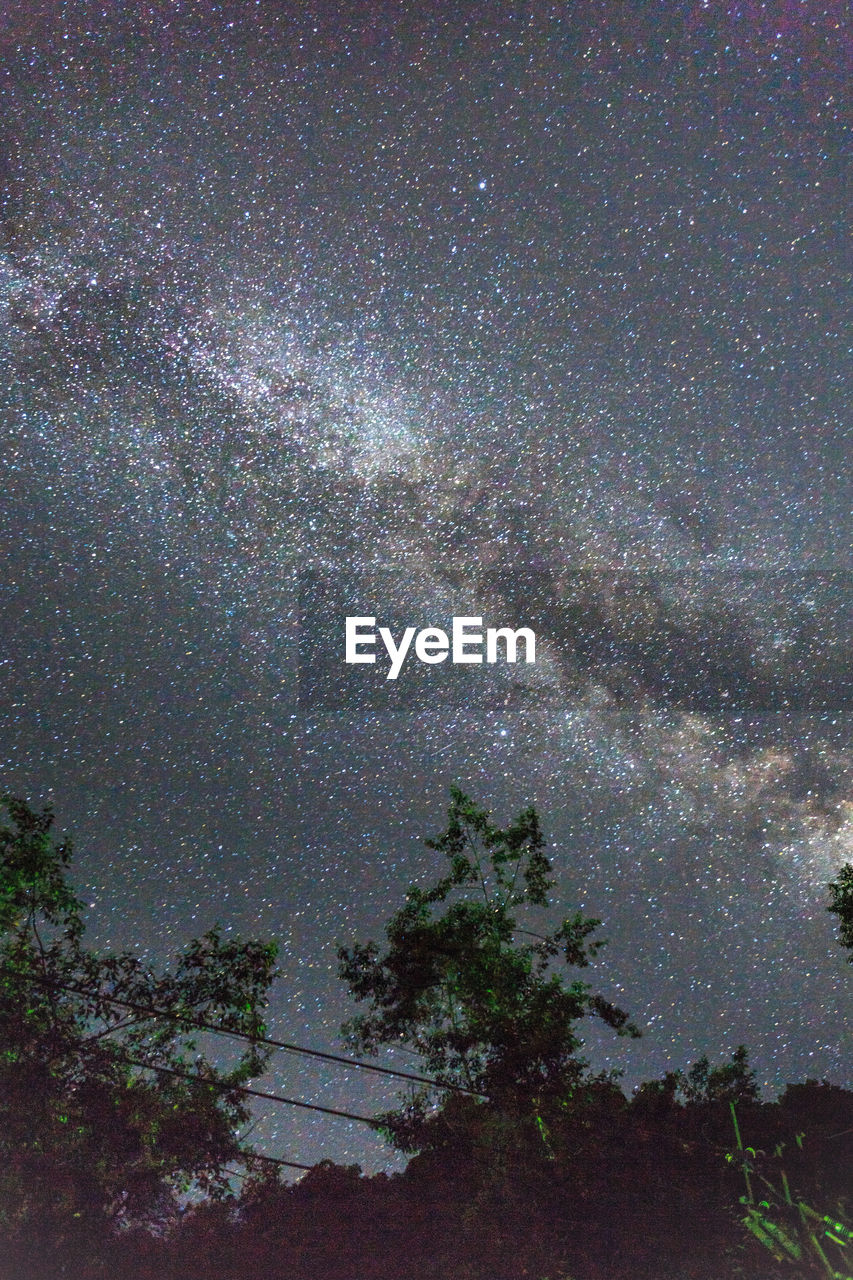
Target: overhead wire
point(213, 1029)
point(285, 1164)
point(224, 1086)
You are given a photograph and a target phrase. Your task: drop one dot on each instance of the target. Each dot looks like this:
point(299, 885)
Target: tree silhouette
point(486, 1011)
point(732, 1081)
point(90, 1139)
point(841, 905)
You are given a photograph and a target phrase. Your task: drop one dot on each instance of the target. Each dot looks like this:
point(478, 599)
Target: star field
point(329, 310)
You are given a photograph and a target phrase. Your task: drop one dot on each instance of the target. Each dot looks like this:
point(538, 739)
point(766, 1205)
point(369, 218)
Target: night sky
point(529, 312)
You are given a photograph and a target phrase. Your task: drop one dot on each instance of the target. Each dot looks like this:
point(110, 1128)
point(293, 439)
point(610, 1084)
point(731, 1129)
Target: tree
point(841, 891)
point(485, 1011)
point(107, 1110)
point(732, 1081)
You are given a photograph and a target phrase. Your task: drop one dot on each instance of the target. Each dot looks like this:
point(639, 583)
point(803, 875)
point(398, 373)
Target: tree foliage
point(91, 1140)
point(700, 1086)
point(730, 1082)
point(841, 905)
point(484, 1009)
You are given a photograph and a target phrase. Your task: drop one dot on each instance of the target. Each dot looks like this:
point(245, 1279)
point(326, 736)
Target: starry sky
point(530, 312)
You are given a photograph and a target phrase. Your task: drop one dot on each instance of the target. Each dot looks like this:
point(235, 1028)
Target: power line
point(184, 1075)
point(286, 1164)
point(242, 1088)
point(240, 1035)
point(285, 1045)
point(221, 1085)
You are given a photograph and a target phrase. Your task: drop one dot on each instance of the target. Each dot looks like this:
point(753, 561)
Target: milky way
point(539, 318)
